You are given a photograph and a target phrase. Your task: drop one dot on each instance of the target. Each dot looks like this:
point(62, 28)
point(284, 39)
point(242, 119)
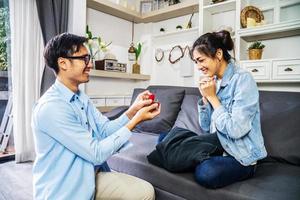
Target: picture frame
point(146, 6)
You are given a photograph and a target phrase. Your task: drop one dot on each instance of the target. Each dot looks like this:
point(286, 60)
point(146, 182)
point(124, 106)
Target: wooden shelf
point(271, 31)
point(180, 9)
point(220, 7)
point(177, 32)
point(172, 11)
point(120, 75)
point(110, 8)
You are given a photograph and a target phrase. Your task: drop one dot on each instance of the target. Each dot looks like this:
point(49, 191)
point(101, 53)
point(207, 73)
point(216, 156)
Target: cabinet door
point(98, 102)
point(127, 100)
point(260, 70)
point(286, 70)
point(114, 101)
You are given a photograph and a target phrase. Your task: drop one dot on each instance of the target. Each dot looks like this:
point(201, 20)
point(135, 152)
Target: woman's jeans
point(219, 171)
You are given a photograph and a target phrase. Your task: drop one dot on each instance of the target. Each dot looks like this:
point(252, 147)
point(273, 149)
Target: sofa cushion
point(271, 181)
point(280, 123)
point(170, 100)
point(188, 116)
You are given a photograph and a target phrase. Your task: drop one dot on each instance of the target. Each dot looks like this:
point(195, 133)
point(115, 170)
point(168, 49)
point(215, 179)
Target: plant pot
point(136, 68)
point(255, 54)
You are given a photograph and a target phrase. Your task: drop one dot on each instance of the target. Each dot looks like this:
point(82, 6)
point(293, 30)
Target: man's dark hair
point(63, 45)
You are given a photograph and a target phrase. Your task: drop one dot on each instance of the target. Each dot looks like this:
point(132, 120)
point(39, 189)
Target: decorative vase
point(136, 68)
point(255, 54)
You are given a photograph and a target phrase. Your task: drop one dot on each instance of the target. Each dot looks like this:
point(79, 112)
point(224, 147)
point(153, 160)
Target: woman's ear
point(219, 54)
point(61, 62)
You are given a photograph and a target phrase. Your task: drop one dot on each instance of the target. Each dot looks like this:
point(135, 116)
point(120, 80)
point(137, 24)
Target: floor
point(15, 181)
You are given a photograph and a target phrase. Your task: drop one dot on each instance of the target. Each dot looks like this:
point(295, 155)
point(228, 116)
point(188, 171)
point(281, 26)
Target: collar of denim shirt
point(228, 73)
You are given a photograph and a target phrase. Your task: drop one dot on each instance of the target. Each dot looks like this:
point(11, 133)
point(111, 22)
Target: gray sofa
point(277, 176)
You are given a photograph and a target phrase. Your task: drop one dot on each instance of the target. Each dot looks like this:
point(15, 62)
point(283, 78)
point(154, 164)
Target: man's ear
point(219, 54)
point(61, 62)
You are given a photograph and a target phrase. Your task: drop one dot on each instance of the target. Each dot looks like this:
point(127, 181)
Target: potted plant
point(95, 45)
point(255, 50)
point(136, 68)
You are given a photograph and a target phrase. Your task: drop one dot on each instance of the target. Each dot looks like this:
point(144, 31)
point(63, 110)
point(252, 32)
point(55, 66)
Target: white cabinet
point(260, 70)
point(127, 100)
point(98, 102)
point(286, 70)
point(273, 70)
point(280, 34)
point(114, 101)
point(110, 102)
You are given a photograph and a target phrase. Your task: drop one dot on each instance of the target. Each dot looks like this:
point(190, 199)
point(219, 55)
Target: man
point(72, 137)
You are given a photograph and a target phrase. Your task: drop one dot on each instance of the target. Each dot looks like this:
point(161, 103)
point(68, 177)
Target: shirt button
point(81, 108)
point(86, 122)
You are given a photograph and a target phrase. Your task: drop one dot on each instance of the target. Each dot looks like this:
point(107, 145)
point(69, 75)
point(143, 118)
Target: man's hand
point(141, 100)
point(145, 113)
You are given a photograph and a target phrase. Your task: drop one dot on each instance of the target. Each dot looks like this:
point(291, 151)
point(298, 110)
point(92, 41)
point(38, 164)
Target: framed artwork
point(146, 6)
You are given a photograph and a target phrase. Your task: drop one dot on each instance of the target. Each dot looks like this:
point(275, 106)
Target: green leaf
point(138, 51)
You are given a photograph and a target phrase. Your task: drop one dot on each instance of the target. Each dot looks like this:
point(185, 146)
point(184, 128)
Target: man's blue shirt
point(71, 138)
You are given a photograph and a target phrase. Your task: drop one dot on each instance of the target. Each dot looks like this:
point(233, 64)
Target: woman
point(229, 108)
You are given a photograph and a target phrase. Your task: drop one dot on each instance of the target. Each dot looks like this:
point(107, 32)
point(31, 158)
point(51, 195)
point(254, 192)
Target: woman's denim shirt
point(237, 120)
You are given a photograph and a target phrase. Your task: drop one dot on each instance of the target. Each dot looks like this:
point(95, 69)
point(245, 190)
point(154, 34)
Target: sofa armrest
point(116, 112)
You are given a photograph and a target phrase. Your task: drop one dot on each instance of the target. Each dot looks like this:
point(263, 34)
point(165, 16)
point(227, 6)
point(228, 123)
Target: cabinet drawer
point(118, 101)
point(98, 102)
point(286, 70)
point(259, 70)
point(127, 101)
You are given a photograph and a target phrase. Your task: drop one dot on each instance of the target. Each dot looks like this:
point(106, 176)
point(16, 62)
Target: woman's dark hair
point(62, 45)
point(209, 43)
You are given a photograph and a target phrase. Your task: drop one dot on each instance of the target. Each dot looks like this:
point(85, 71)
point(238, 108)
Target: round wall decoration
point(251, 12)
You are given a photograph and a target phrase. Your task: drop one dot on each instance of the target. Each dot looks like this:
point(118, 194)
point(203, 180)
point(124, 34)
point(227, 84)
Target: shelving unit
point(120, 75)
point(177, 10)
point(282, 21)
point(271, 31)
point(220, 7)
point(116, 10)
point(274, 70)
point(184, 8)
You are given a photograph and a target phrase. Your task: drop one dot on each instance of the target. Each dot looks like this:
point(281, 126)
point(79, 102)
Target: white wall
point(165, 73)
point(119, 32)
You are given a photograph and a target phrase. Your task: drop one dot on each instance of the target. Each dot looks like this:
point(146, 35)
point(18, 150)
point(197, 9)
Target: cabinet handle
point(288, 69)
point(254, 70)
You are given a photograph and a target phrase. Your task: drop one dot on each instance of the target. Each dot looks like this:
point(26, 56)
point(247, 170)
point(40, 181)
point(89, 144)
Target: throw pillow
point(170, 100)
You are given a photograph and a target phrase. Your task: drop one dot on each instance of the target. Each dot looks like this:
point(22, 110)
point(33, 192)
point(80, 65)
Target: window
point(6, 148)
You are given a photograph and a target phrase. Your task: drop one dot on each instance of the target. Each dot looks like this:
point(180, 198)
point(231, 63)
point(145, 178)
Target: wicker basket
point(255, 54)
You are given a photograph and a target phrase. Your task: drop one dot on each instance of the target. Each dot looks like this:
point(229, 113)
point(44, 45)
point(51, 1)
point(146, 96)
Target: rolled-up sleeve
point(238, 122)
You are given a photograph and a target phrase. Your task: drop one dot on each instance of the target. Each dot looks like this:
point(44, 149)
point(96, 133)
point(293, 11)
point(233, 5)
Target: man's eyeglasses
point(85, 58)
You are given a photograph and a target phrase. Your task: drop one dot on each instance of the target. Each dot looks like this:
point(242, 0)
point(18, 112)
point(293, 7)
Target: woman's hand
point(208, 87)
point(145, 113)
point(208, 90)
point(141, 100)
point(202, 83)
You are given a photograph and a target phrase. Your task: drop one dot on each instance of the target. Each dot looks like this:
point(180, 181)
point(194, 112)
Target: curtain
point(53, 16)
point(26, 61)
